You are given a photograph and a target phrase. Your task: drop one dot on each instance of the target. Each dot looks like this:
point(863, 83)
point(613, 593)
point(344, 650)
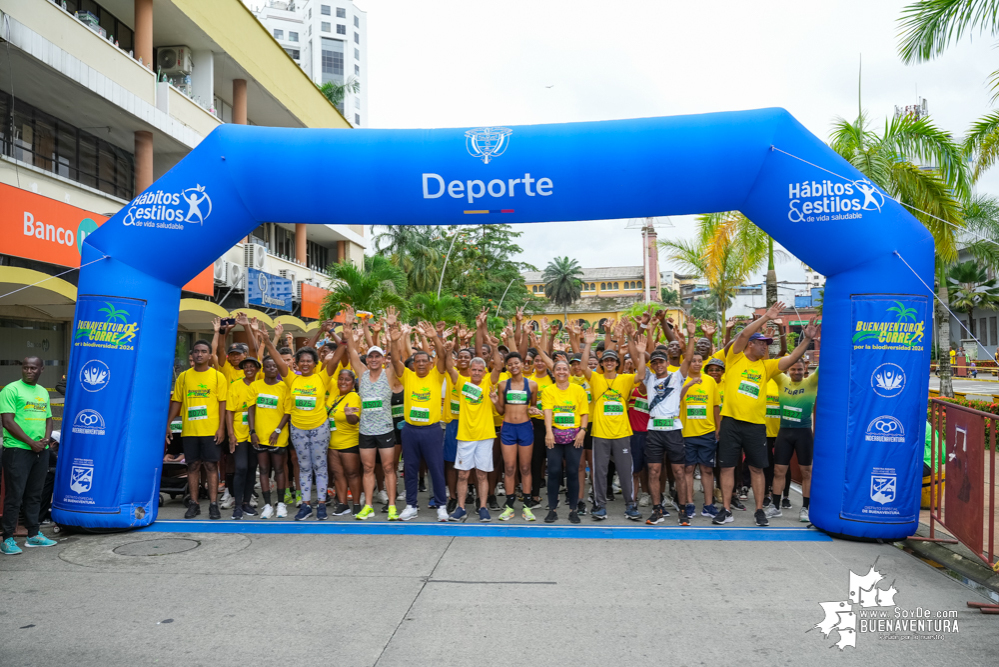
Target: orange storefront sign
point(47, 230)
point(312, 300)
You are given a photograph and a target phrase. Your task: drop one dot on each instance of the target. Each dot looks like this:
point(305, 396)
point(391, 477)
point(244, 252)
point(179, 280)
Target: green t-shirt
point(30, 406)
point(797, 400)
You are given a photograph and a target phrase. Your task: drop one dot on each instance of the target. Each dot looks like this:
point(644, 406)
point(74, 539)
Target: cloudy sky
point(462, 64)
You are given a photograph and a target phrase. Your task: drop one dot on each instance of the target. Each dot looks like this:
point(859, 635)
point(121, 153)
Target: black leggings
point(537, 458)
point(245, 463)
point(572, 455)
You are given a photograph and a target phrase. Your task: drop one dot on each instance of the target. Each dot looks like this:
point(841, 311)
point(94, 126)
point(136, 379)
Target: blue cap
point(759, 336)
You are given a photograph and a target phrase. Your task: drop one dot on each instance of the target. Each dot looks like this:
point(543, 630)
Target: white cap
point(375, 348)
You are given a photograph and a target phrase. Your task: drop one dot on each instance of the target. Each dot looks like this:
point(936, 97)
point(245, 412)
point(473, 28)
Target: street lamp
point(440, 283)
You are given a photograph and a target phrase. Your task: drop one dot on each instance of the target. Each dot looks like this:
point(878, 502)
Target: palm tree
point(431, 308)
point(972, 288)
point(373, 288)
point(887, 160)
point(562, 283)
point(416, 251)
point(337, 92)
point(704, 309)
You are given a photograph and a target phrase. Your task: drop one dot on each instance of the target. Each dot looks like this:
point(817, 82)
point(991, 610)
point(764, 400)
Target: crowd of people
point(642, 410)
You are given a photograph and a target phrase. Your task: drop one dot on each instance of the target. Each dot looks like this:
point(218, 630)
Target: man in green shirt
point(27, 427)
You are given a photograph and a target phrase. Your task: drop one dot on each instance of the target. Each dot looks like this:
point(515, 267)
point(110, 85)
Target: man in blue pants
point(423, 438)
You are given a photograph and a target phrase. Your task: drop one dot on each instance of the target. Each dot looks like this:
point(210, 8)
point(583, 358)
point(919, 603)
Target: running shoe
point(761, 518)
point(709, 510)
point(803, 515)
point(631, 512)
point(39, 540)
point(408, 513)
point(690, 510)
point(767, 499)
point(287, 497)
point(423, 485)
point(551, 517)
point(227, 501)
point(357, 508)
point(527, 514)
point(500, 489)
point(656, 517)
point(581, 508)
point(785, 503)
point(402, 493)
point(304, 512)
point(697, 472)
point(341, 509)
point(9, 547)
point(459, 514)
point(573, 517)
point(663, 509)
point(493, 504)
point(213, 511)
point(282, 511)
point(193, 510)
point(599, 514)
point(451, 504)
point(237, 513)
point(684, 519)
point(645, 500)
point(321, 512)
point(248, 510)
point(298, 497)
point(484, 515)
point(507, 514)
point(771, 511)
point(442, 514)
point(744, 493)
point(366, 513)
point(267, 512)
point(381, 496)
point(737, 505)
point(393, 515)
point(723, 517)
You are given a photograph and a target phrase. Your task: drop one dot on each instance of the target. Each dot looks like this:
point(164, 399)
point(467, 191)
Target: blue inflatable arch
point(872, 393)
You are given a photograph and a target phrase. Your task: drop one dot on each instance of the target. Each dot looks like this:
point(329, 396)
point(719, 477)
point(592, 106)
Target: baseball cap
point(237, 348)
point(375, 348)
point(250, 360)
point(659, 354)
point(759, 336)
point(610, 354)
point(715, 361)
point(575, 358)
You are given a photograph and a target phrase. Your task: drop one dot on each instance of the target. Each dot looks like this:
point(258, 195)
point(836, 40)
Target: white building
point(328, 39)
point(813, 279)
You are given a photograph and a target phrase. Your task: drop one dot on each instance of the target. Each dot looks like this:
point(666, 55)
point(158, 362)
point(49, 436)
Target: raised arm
point(217, 325)
point(709, 330)
point(480, 330)
point(728, 331)
point(685, 364)
point(497, 362)
point(278, 331)
point(810, 332)
point(666, 324)
point(449, 363)
point(325, 327)
point(398, 358)
point(743, 338)
point(254, 331)
point(589, 337)
point(639, 361)
point(348, 340)
point(271, 350)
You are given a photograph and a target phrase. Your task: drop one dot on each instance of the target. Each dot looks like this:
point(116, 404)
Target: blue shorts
point(451, 440)
point(517, 434)
point(638, 452)
point(700, 449)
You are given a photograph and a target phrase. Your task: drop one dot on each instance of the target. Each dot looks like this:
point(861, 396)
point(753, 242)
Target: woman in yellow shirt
point(310, 432)
point(237, 418)
point(268, 416)
point(566, 413)
point(343, 408)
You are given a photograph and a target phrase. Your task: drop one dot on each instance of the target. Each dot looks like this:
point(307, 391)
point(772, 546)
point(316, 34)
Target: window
point(983, 332)
point(341, 29)
point(115, 29)
point(993, 332)
point(325, 11)
point(278, 34)
point(310, 12)
point(341, 13)
point(640, 286)
point(284, 242)
point(294, 53)
point(332, 59)
point(534, 288)
point(357, 22)
point(325, 26)
point(357, 54)
point(292, 36)
point(357, 38)
point(317, 257)
point(603, 285)
point(357, 102)
point(616, 286)
point(357, 119)
point(357, 70)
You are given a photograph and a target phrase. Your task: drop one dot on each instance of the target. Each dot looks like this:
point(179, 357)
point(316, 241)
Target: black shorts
point(349, 450)
point(588, 438)
point(383, 441)
point(665, 444)
point(736, 437)
point(791, 440)
point(201, 448)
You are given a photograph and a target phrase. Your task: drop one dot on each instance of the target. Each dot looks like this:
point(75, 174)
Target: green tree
point(669, 296)
point(562, 283)
point(337, 92)
point(426, 306)
point(970, 288)
point(373, 288)
point(704, 308)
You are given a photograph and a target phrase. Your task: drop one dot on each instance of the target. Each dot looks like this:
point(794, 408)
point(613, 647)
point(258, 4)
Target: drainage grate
point(160, 547)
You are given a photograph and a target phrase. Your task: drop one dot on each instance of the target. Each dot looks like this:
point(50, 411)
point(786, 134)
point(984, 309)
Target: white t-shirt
point(664, 415)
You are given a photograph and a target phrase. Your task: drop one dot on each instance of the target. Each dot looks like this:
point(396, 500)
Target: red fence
point(963, 510)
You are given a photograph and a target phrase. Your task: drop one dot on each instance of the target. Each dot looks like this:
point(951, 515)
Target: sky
point(465, 64)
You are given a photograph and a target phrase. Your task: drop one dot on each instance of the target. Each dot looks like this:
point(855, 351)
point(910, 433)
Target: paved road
point(458, 599)
point(968, 386)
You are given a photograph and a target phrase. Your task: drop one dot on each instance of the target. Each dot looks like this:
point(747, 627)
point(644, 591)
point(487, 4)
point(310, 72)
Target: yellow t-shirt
point(746, 387)
point(308, 398)
point(451, 404)
point(475, 422)
point(773, 409)
point(697, 409)
point(234, 374)
point(271, 403)
point(237, 403)
point(343, 434)
point(670, 368)
point(543, 382)
point(422, 397)
point(567, 405)
point(199, 395)
point(610, 401)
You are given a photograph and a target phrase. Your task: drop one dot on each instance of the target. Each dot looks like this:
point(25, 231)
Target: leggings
point(245, 463)
point(571, 454)
point(537, 459)
point(311, 446)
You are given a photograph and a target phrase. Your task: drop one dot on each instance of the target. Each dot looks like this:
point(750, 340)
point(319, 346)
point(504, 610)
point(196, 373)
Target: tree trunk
point(943, 342)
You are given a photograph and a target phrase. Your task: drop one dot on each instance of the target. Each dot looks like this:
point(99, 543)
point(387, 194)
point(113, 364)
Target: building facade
point(102, 98)
point(328, 39)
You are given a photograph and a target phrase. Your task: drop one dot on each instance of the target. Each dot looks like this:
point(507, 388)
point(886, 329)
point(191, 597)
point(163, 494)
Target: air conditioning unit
point(233, 274)
point(255, 256)
point(298, 290)
point(290, 275)
point(172, 60)
point(220, 271)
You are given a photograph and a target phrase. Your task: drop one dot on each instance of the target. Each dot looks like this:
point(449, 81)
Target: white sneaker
point(772, 511)
point(402, 494)
point(363, 501)
point(803, 515)
point(282, 511)
point(442, 514)
point(409, 513)
point(500, 489)
point(382, 497)
point(645, 500)
point(267, 512)
point(253, 502)
point(226, 501)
